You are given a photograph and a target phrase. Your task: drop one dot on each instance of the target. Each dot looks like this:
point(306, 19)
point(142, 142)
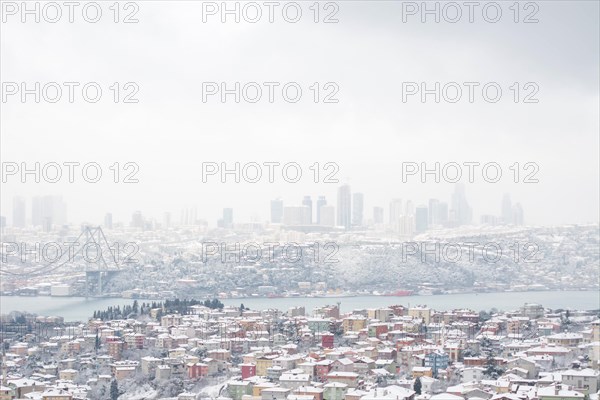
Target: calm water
point(80, 309)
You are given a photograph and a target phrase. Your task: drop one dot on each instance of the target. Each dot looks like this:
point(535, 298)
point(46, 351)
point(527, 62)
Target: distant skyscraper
point(137, 220)
point(327, 215)
point(108, 221)
point(276, 211)
point(320, 203)
point(507, 209)
point(410, 208)
point(357, 209)
point(421, 219)
point(47, 211)
point(344, 206)
point(461, 211)
point(47, 224)
point(307, 202)
point(228, 218)
point(407, 225)
point(37, 211)
point(378, 215)
point(433, 212)
point(18, 212)
point(60, 211)
point(189, 216)
point(395, 214)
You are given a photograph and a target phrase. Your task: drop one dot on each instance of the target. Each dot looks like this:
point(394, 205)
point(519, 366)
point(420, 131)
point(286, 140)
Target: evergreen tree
point(491, 369)
point(114, 390)
point(216, 304)
point(97, 343)
point(417, 386)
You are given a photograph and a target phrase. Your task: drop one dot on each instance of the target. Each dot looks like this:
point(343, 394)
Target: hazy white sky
point(369, 133)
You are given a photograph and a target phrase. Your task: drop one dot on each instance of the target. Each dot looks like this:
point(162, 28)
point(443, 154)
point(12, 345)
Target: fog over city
point(299, 200)
point(366, 57)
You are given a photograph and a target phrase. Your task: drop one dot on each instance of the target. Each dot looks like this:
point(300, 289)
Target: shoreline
point(81, 309)
point(341, 296)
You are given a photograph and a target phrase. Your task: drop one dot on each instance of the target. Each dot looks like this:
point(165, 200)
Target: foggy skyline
point(368, 133)
point(54, 207)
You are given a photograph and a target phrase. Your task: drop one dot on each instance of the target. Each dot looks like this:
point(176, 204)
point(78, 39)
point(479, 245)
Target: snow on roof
point(558, 391)
point(446, 396)
point(583, 372)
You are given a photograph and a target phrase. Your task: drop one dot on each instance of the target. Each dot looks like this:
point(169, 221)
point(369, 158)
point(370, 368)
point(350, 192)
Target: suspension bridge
point(90, 253)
